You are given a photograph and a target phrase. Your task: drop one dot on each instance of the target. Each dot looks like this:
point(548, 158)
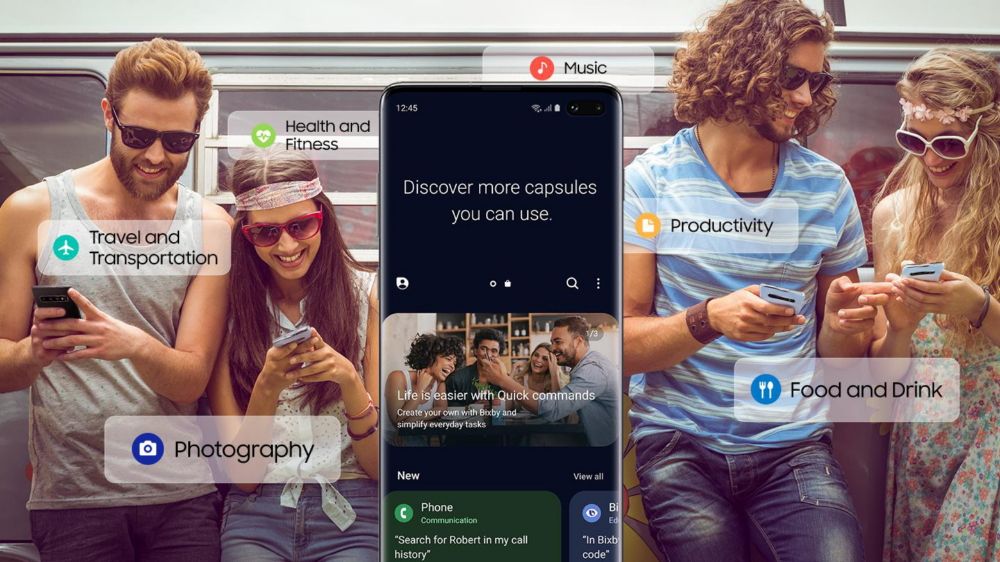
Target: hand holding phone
point(47, 301)
point(923, 271)
point(298, 335)
point(783, 297)
point(55, 297)
point(278, 373)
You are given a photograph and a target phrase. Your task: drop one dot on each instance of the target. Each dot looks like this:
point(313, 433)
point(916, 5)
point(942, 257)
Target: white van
point(309, 55)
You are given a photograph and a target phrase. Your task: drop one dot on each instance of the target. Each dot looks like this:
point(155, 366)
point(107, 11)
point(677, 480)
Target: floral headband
point(274, 195)
point(946, 116)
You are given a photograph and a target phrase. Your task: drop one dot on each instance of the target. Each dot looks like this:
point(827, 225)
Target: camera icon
point(147, 449)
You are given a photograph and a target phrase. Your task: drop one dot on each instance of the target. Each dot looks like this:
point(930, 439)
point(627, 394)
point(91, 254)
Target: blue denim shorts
point(255, 526)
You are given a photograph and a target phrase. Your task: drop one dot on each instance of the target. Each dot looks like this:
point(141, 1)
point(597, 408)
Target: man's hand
point(40, 333)
point(743, 316)
point(104, 337)
point(850, 308)
point(493, 371)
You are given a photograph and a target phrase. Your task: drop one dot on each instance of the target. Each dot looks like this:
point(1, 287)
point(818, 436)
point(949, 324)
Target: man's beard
point(767, 130)
point(125, 170)
point(566, 359)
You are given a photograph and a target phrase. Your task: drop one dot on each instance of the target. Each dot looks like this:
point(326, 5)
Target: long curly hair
point(953, 77)
point(332, 304)
point(730, 70)
point(426, 348)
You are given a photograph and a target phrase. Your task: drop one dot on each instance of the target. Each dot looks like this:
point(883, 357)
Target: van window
point(860, 138)
point(650, 115)
point(350, 184)
point(48, 124)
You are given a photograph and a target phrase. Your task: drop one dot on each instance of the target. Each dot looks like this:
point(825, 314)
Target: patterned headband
point(946, 116)
point(274, 195)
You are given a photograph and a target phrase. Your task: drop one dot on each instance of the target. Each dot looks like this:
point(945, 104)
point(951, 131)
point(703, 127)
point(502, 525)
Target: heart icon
point(263, 135)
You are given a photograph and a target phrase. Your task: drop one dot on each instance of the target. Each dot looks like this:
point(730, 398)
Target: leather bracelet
point(360, 436)
point(986, 309)
point(368, 408)
point(697, 323)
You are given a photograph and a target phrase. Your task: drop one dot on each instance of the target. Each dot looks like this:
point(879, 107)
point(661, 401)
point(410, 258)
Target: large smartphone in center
point(500, 240)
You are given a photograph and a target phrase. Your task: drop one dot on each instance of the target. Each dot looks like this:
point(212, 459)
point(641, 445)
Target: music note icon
point(541, 67)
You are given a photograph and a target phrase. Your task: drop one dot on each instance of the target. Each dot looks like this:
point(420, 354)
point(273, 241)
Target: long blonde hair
point(953, 77)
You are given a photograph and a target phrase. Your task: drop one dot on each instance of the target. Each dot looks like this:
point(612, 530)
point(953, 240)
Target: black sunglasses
point(792, 77)
point(177, 142)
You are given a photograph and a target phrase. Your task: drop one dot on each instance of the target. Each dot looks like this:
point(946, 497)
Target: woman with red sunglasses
point(942, 204)
point(291, 269)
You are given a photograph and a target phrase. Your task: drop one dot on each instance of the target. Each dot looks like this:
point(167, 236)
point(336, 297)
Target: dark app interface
point(500, 349)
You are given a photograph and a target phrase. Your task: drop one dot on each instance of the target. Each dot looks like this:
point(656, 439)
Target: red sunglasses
point(264, 234)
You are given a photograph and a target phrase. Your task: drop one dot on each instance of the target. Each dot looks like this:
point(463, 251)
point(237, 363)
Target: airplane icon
point(66, 247)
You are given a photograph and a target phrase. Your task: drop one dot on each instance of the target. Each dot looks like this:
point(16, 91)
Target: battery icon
point(557, 108)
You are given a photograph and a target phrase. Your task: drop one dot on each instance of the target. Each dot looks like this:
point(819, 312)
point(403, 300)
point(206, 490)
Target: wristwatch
point(698, 325)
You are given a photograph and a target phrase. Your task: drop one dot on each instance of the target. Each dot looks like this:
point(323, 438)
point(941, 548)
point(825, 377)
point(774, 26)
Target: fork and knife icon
point(765, 388)
point(768, 386)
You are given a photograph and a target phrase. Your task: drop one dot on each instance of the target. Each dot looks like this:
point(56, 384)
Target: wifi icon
point(537, 108)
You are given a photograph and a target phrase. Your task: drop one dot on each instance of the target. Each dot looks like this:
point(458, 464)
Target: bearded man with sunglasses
point(145, 345)
point(752, 80)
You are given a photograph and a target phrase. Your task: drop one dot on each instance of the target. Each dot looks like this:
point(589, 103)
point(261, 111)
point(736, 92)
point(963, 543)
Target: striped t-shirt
point(696, 396)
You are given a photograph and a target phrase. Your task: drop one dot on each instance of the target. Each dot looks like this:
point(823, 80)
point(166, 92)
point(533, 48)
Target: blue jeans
point(256, 528)
point(791, 503)
point(184, 530)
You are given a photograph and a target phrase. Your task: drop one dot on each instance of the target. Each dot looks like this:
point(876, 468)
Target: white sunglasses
point(949, 147)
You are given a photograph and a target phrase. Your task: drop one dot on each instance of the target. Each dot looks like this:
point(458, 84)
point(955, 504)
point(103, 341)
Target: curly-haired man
point(753, 79)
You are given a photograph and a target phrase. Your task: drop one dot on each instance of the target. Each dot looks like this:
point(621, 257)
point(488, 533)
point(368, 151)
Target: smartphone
point(500, 229)
point(783, 297)
point(55, 297)
point(298, 335)
point(923, 271)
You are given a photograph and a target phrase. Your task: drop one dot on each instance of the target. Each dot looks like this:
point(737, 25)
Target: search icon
point(571, 283)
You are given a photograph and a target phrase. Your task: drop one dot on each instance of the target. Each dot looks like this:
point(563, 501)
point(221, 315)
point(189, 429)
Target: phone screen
point(500, 237)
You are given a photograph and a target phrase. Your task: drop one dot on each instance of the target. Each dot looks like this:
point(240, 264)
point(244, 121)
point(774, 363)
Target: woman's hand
point(553, 365)
point(901, 318)
point(954, 295)
point(278, 373)
point(425, 380)
point(323, 363)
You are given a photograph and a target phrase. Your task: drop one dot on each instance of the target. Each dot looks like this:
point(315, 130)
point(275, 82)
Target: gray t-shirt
point(593, 375)
point(71, 400)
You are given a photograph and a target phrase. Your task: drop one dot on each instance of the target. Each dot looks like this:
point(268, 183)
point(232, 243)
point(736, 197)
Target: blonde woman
point(541, 373)
point(942, 204)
